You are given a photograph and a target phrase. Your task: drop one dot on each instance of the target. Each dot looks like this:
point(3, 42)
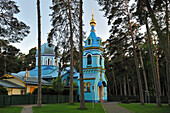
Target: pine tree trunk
point(71, 56)
point(144, 73)
point(124, 85)
point(134, 90)
point(39, 55)
point(82, 101)
point(168, 56)
point(129, 91)
point(114, 82)
point(121, 93)
point(58, 98)
point(136, 60)
point(134, 86)
point(158, 99)
point(161, 34)
point(157, 66)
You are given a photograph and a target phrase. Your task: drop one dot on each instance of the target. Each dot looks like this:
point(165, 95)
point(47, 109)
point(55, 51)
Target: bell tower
point(93, 51)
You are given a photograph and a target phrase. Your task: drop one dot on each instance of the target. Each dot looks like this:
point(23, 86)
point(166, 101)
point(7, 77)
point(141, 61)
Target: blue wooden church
point(95, 81)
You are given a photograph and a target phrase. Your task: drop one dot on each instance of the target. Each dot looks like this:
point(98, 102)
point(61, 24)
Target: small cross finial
point(92, 14)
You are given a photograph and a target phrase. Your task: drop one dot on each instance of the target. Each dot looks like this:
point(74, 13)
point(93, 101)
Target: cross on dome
point(92, 22)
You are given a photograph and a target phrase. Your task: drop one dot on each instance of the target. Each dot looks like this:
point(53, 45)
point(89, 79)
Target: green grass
point(66, 108)
point(10, 109)
point(147, 108)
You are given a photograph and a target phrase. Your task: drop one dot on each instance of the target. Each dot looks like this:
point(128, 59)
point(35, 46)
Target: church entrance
point(101, 92)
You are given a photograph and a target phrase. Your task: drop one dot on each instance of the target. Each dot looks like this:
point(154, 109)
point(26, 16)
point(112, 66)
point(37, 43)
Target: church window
point(89, 60)
point(89, 41)
point(100, 42)
point(88, 86)
point(84, 86)
point(100, 60)
point(64, 81)
point(48, 62)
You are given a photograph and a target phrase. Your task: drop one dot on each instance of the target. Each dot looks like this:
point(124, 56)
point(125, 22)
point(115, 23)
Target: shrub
point(126, 100)
point(3, 91)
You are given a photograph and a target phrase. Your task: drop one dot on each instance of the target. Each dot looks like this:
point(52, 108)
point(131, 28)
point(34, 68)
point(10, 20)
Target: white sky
point(28, 14)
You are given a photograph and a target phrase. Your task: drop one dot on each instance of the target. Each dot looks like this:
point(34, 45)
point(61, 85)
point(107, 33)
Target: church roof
point(92, 40)
point(55, 72)
point(46, 49)
point(30, 79)
point(9, 84)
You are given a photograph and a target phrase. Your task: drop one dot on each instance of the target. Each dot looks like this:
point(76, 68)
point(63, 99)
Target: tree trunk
point(121, 93)
point(71, 56)
point(124, 85)
point(39, 55)
point(168, 56)
point(134, 86)
point(114, 82)
point(82, 101)
point(157, 66)
point(136, 60)
point(158, 99)
point(144, 73)
point(129, 91)
point(58, 98)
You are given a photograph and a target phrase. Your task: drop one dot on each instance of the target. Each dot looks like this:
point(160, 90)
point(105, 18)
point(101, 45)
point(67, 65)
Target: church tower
point(93, 66)
point(93, 51)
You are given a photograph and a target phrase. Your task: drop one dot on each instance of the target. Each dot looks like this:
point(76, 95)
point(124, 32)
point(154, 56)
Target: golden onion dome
point(92, 22)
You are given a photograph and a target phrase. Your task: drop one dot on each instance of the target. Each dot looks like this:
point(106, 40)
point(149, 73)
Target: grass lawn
point(11, 109)
point(66, 108)
point(147, 108)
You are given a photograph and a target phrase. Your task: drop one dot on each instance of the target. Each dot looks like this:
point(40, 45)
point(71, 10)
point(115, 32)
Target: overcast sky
point(28, 14)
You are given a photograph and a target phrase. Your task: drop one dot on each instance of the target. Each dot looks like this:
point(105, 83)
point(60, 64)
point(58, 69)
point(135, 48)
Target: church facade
point(95, 80)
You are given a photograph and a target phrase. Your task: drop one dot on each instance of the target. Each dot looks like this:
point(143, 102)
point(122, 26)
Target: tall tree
point(160, 24)
point(64, 22)
point(71, 55)
point(82, 101)
point(136, 60)
point(118, 16)
point(39, 55)
point(168, 56)
point(158, 98)
point(11, 28)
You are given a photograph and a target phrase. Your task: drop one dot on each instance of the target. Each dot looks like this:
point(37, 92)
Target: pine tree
point(82, 101)
point(65, 24)
point(11, 29)
point(39, 56)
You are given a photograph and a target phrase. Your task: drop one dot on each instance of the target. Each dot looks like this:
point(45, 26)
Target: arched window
point(100, 60)
point(84, 86)
point(100, 42)
point(88, 86)
point(89, 41)
point(89, 60)
point(48, 62)
point(64, 81)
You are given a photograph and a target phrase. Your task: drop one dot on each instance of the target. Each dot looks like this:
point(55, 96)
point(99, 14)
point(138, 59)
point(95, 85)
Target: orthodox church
point(95, 81)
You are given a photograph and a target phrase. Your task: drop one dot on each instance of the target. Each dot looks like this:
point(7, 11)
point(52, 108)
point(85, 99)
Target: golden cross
point(92, 14)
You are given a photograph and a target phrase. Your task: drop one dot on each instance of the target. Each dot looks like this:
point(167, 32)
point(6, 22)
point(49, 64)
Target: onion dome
point(93, 42)
point(46, 49)
point(92, 22)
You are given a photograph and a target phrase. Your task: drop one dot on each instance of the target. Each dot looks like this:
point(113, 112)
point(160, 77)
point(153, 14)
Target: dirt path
point(112, 107)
